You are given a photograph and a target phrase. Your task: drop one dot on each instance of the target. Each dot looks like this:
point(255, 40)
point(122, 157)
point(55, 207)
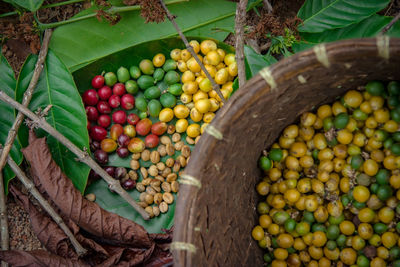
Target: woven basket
point(216, 212)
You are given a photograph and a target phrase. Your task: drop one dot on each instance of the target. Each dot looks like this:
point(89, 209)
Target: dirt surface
point(20, 37)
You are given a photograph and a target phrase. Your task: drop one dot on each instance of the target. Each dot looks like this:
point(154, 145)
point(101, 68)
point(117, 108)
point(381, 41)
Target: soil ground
point(19, 38)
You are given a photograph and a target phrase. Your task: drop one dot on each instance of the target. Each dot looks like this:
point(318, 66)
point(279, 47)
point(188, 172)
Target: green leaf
point(255, 62)
point(320, 15)
point(7, 85)
point(31, 5)
point(85, 41)
point(252, 4)
point(370, 27)
point(56, 87)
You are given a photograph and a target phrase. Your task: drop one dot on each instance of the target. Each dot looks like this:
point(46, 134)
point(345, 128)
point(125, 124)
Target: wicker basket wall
point(215, 212)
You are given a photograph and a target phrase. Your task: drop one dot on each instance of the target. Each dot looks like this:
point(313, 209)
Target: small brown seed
point(158, 198)
point(176, 137)
point(175, 186)
point(172, 177)
point(145, 155)
point(142, 204)
point(170, 149)
point(177, 167)
point(166, 187)
point(187, 160)
point(149, 198)
point(144, 172)
point(163, 207)
point(156, 211)
point(182, 161)
point(136, 156)
point(168, 198)
point(160, 178)
point(166, 172)
point(179, 145)
point(157, 189)
point(169, 162)
point(160, 166)
point(197, 139)
point(185, 151)
point(150, 190)
point(165, 140)
point(133, 175)
point(134, 164)
point(142, 196)
point(153, 171)
point(149, 210)
point(161, 149)
point(146, 181)
point(155, 157)
point(189, 140)
point(140, 187)
point(171, 129)
point(91, 197)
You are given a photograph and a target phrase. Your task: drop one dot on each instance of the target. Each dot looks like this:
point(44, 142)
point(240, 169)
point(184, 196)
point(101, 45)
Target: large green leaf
point(368, 27)
point(56, 87)
point(128, 57)
point(85, 41)
point(320, 15)
point(7, 85)
point(255, 62)
point(31, 5)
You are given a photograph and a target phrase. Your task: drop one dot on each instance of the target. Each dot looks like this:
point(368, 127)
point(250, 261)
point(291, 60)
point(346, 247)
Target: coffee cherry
point(90, 97)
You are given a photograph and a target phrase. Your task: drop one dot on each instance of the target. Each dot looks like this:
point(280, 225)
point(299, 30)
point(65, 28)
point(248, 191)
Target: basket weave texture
point(213, 222)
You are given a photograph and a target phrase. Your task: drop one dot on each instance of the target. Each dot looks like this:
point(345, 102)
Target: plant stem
point(30, 186)
point(12, 133)
point(5, 238)
point(113, 184)
point(190, 49)
point(239, 45)
point(393, 21)
point(112, 10)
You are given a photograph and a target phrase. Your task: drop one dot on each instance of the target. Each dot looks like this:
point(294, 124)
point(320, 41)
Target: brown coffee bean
point(140, 187)
point(149, 198)
point(155, 157)
point(185, 151)
point(134, 164)
point(150, 190)
point(136, 156)
point(174, 186)
point(160, 178)
point(182, 161)
point(168, 198)
point(170, 149)
point(133, 175)
point(146, 181)
point(166, 172)
point(160, 166)
point(142, 204)
point(144, 172)
point(158, 198)
point(189, 140)
point(142, 196)
point(145, 155)
point(171, 177)
point(179, 145)
point(163, 207)
point(166, 187)
point(165, 140)
point(176, 137)
point(155, 183)
point(169, 162)
point(171, 129)
point(153, 171)
point(91, 197)
point(156, 211)
point(177, 167)
point(149, 210)
point(161, 149)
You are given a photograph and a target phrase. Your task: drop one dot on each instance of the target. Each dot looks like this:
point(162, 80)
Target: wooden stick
point(5, 238)
point(393, 21)
point(30, 186)
point(12, 133)
point(113, 184)
point(239, 21)
point(190, 49)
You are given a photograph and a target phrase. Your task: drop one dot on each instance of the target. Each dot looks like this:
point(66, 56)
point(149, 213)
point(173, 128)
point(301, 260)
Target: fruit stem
point(112, 10)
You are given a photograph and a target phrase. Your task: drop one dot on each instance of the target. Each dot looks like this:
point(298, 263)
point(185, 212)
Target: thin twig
point(113, 184)
point(12, 133)
point(239, 44)
point(5, 238)
point(30, 186)
point(191, 50)
point(393, 21)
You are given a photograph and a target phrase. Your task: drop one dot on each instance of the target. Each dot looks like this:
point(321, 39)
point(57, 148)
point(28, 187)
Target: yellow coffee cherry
point(193, 130)
point(181, 111)
point(221, 53)
point(158, 60)
point(207, 46)
point(182, 67)
point(181, 125)
point(195, 115)
point(213, 58)
point(199, 95)
point(211, 70)
point(185, 55)
point(221, 76)
point(203, 127)
point(188, 76)
point(186, 98)
point(196, 46)
point(232, 69)
point(208, 117)
point(229, 59)
point(190, 87)
point(166, 115)
point(193, 65)
point(205, 85)
point(214, 104)
point(175, 54)
point(203, 105)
